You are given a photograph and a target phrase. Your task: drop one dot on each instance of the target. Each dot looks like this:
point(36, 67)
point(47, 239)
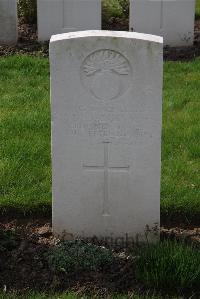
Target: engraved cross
point(106, 169)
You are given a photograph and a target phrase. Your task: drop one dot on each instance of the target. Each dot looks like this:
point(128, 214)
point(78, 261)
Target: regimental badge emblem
point(106, 74)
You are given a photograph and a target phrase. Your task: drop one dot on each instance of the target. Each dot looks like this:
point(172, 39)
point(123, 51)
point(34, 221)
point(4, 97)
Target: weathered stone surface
point(172, 19)
point(8, 22)
point(106, 97)
point(59, 16)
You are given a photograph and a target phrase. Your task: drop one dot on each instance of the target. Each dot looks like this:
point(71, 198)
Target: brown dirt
point(24, 268)
point(185, 53)
point(117, 24)
point(27, 43)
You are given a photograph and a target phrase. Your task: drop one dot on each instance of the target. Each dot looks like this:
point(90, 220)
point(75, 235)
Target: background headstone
point(59, 16)
point(106, 95)
point(8, 22)
point(172, 19)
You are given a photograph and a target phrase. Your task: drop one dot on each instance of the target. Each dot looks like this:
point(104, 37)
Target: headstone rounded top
point(105, 33)
point(106, 99)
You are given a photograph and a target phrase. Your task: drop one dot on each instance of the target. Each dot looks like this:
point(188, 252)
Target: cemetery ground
point(33, 263)
point(26, 238)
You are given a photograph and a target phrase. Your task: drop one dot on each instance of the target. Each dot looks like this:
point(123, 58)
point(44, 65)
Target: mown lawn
point(25, 127)
point(180, 193)
point(25, 143)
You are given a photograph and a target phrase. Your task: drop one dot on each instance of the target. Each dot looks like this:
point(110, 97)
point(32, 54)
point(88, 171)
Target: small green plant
point(28, 10)
point(115, 14)
point(169, 266)
point(125, 7)
point(110, 9)
point(72, 256)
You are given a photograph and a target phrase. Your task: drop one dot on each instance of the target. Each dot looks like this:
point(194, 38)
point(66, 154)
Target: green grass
point(180, 193)
point(74, 296)
point(197, 9)
point(170, 267)
point(25, 125)
point(25, 144)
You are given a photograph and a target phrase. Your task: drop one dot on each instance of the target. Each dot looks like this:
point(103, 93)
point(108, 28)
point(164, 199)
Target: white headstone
point(106, 96)
point(60, 16)
point(172, 19)
point(8, 22)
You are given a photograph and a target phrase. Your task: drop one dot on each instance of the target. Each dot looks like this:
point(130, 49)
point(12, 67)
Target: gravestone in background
point(8, 22)
point(172, 19)
point(59, 16)
point(106, 97)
